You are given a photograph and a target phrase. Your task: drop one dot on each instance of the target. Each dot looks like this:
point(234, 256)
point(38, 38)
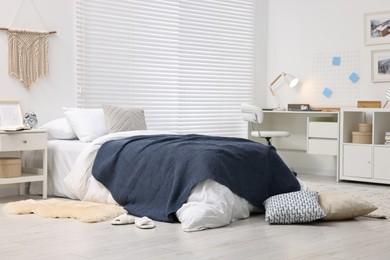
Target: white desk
point(311, 132)
point(297, 123)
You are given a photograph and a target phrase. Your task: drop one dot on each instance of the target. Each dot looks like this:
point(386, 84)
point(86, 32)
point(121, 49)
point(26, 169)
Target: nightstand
point(27, 140)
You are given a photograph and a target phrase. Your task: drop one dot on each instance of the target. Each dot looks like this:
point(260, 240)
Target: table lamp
point(291, 82)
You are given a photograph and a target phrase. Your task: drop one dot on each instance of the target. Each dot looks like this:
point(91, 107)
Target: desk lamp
point(291, 82)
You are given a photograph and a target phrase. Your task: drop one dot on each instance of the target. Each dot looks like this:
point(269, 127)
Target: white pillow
point(59, 129)
point(87, 123)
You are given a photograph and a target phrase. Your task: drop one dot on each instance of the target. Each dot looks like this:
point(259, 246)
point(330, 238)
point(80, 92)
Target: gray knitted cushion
point(293, 207)
point(121, 119)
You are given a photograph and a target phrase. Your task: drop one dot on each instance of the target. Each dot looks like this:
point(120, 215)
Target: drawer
point(25, 141)
point(322, 146)
point(323, 129)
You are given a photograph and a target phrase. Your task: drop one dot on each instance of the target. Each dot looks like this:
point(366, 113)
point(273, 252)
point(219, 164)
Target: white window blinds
point(188, 63)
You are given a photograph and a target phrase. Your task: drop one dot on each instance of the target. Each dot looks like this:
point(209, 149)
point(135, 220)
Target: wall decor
point(10, 115)
point(330, 85)
point(28, 51)
point(380, 65)
point(377, 28)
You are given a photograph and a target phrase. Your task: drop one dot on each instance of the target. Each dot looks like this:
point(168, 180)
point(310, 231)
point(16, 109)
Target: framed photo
point(380, 64)
point(10, 115)
point(377, 28)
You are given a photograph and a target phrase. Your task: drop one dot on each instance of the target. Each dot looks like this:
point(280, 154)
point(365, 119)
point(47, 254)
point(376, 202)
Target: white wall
point(47, 96)
point(300, 30)
point(261, 50)
point(302, 35)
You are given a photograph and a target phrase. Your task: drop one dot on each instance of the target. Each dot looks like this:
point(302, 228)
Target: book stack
point(387, 138)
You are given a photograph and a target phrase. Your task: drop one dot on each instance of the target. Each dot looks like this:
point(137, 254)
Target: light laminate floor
point(32, 237)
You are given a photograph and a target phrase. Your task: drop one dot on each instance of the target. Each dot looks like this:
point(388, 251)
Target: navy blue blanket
point(153, 175)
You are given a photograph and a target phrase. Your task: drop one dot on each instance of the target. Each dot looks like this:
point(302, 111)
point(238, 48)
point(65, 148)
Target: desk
point(311, 133)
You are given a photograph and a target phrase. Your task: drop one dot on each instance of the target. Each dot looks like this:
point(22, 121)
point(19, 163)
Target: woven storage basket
point(362, 137)
point(10, 167)
point(365, 128)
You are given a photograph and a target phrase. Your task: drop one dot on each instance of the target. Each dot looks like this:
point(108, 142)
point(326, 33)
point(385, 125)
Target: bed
point(199, 197)
point(61, 157)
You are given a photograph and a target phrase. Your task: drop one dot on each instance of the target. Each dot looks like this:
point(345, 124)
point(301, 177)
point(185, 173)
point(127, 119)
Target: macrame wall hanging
point(28, 52)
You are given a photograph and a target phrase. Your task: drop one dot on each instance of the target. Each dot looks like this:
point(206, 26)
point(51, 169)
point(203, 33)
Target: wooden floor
point(32, 237)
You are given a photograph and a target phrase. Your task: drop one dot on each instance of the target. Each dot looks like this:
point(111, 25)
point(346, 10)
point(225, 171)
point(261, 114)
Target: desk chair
point(254, 115)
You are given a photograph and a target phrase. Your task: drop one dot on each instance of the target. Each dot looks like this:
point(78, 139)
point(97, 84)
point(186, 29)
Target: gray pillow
point(121, 119)
point(293, 207)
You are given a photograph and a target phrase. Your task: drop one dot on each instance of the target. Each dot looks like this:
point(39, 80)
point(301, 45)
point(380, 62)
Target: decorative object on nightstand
point(291, 82)
point(30, 118)
point(11, 118)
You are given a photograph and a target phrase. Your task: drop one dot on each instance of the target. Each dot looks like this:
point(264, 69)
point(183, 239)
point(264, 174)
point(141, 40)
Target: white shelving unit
point(25, 141)
point(365, 162)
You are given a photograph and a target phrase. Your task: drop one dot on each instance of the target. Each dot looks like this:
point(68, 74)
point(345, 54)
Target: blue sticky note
point(336, 61)
point(354, 77)
point(327, 92)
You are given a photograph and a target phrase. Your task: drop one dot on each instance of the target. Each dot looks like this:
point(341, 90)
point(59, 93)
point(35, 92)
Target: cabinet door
point(357, 161)
point(381, 163)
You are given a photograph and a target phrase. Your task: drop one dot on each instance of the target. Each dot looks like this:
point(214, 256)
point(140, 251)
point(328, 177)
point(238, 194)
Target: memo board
point(326, 75)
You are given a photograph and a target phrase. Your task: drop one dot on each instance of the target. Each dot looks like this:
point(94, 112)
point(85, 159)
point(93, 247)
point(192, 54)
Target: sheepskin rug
point(88, 212)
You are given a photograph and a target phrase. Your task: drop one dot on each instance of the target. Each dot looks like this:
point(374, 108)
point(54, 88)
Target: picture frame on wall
point(380, 65)
point(377, 28)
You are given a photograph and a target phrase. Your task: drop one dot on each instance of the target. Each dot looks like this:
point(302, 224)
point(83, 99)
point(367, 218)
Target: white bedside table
point(19, 141)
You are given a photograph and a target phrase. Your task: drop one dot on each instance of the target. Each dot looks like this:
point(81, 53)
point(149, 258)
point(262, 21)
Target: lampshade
point(289, 79)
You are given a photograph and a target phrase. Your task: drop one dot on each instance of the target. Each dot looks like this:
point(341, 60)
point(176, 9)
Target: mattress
point(61, 156)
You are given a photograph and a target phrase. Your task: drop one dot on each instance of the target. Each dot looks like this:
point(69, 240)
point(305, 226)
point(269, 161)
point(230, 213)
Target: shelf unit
point(365, 162)
point(19, 141)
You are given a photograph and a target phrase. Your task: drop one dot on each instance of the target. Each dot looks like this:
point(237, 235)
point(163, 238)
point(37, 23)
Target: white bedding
point(61, 155)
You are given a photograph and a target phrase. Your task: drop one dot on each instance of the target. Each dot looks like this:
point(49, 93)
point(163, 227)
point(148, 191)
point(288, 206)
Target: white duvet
point(210, 204)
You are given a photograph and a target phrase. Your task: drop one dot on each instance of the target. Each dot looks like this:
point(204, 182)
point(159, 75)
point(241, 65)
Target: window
point(188, 63)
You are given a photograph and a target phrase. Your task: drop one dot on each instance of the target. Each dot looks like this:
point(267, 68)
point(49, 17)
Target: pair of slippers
point(124, 219)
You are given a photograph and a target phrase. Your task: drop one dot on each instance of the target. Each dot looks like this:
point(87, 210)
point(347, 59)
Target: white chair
point(254, 115)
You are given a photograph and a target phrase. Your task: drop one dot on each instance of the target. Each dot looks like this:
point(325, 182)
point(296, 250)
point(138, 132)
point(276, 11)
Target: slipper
point(123, 219)
point(144, 223)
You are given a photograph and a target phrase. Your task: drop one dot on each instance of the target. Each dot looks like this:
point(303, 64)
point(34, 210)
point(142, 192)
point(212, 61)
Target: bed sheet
point(61, 156)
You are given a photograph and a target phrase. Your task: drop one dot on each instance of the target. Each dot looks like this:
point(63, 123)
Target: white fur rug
point(88, 212)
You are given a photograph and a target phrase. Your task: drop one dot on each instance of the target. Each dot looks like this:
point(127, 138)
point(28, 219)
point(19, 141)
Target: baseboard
point(313, 171)
point(8, 190)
